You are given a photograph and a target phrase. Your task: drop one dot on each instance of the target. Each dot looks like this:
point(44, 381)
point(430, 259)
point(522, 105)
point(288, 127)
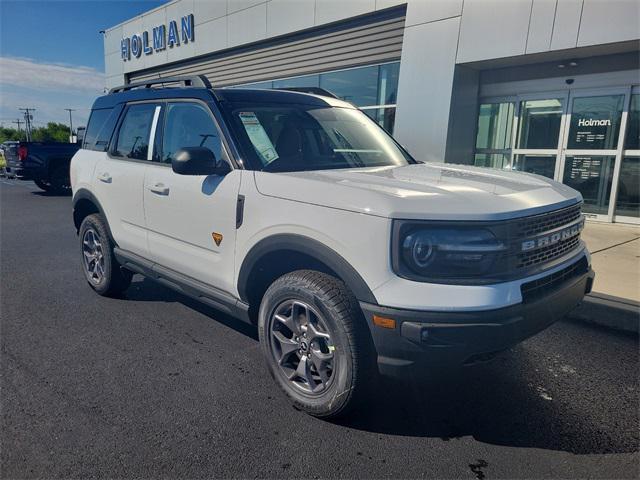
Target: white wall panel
point(286, 16)
point(211, 36)
point(566, 24)
point(149, 21)
point(424, 88)
point(237, 5)
point(112, 40)
point(333, 10)
point(543, 13)
point(175, 11)
point(382, 4)
point(609, 21)
point(247, 26)
point(129, 29)
point(422, 11)
point(493, 29)
point(207, 10)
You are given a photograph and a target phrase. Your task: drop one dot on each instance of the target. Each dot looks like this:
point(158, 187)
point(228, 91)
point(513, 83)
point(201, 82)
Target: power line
point(28, 118)
point(18, 121)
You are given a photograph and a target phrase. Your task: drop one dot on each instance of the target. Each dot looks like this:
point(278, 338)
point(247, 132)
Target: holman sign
point(161, 37)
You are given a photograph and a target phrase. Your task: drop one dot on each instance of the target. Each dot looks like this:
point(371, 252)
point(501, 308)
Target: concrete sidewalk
point(615, 256)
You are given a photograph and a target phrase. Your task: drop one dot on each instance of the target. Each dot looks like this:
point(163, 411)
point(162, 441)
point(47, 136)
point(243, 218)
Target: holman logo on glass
point(161, 36)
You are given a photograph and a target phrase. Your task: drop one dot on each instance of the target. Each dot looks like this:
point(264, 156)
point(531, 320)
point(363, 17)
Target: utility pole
point(70, 124)
point(18, 121)
point(27, 119)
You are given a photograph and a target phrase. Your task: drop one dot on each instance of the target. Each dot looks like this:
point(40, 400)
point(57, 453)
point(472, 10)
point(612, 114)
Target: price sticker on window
point(258, 136)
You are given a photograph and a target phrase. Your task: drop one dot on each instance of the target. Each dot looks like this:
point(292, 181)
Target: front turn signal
point(384, 322)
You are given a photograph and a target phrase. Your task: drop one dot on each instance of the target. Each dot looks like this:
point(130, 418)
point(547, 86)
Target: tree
point(8, 133)
point(53, 132)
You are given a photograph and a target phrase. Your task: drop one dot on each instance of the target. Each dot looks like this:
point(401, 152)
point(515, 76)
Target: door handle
point(159, 188)
point(105, 177)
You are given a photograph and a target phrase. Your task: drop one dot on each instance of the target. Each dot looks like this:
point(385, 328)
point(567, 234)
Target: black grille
point(547, 253)
point(537, 289)
point(530, 226)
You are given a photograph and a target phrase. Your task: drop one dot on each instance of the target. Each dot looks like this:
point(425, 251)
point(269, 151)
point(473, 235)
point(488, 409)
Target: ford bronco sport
point(299, 213)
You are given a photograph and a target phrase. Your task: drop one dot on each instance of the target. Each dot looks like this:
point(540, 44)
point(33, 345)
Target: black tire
point(353, 359)
point(42, 185)
point(114, 279)
point(59, 180)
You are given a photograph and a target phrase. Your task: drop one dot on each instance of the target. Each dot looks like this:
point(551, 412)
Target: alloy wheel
point(93, 256)
point(302, 347)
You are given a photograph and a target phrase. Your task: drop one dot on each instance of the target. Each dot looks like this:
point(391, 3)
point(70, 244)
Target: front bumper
point(425, 339)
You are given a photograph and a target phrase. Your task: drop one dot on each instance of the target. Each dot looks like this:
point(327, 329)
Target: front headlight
point(444, 252)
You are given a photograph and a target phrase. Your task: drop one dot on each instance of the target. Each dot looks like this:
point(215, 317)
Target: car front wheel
point(315, 342)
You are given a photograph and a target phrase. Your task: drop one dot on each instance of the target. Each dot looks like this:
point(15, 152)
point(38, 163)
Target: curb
point(609, 311)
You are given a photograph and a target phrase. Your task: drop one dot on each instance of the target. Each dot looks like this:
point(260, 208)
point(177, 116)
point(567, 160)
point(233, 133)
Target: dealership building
point(544, 86)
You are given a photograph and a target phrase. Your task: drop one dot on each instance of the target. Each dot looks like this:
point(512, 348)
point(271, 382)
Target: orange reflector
point(384, 322)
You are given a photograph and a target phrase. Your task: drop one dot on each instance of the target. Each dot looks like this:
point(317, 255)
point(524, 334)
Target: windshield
point(305, 137)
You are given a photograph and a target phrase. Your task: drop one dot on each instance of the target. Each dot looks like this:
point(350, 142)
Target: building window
point(373, 89)
point(628, 198)
point(493, 141)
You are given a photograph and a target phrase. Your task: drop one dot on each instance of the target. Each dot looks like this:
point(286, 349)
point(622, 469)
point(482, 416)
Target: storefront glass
point(539, 123)
point(595, 122)
point(492, 160)
point(544, 165)
point(592, 176)
point(372, 88)
point(495, 124)
point(628, 201)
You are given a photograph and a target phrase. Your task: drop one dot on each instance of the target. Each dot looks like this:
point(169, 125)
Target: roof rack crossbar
point(198, 81)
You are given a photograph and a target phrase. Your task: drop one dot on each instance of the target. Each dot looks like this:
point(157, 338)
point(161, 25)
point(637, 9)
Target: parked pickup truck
point(46, 163)
point(299, 213)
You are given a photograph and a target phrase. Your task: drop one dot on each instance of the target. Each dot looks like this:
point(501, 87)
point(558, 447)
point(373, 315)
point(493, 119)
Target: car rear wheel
point(100, 266)
point(42, 185)
point(315, 342)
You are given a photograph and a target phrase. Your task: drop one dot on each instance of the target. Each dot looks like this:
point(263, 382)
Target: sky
point(51, 55)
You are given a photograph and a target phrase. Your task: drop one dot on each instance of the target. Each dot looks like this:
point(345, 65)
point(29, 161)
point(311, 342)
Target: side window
point(189, 125)
point(96, 129)
point(133, 138)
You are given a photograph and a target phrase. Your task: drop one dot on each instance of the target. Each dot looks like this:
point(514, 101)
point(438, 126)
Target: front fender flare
point(307, 246)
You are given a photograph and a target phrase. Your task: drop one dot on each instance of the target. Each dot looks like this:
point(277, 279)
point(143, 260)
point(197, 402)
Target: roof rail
point(199, 81)
point(313, 90)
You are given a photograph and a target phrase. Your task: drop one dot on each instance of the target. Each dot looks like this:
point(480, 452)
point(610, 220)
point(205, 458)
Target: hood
point(423, 191)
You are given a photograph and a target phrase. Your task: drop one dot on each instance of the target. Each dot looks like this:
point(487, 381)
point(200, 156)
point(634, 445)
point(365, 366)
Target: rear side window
point(99, 130)
point(189, 125)
point(133, 137)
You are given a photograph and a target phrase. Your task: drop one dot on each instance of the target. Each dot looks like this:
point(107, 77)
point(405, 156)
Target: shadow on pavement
point(497, 403)
point(146, 290)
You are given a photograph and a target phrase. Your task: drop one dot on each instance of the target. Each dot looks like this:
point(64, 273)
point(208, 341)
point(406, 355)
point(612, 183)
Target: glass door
point(594, 129)
point(628, 193)
point(538, 133)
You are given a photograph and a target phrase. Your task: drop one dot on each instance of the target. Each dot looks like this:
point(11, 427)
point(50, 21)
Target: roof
point(238, 95)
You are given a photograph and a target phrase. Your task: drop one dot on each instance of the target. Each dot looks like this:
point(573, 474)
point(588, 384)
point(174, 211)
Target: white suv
point(299, 213)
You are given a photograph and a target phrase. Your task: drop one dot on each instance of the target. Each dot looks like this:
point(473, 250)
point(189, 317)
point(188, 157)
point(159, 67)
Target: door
point(119, 176)
point(191, 219)
point(628, 192)
point(591, 152)
point(538, 133)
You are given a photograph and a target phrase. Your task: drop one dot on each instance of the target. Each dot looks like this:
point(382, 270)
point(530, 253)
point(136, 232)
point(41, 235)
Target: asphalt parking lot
point(156, 385)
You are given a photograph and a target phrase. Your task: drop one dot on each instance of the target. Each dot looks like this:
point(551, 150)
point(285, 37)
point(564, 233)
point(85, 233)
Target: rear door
point(191, 219)
point(119, 176)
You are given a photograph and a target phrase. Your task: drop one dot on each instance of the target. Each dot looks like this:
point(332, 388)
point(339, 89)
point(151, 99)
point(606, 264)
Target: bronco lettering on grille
point(552, 238)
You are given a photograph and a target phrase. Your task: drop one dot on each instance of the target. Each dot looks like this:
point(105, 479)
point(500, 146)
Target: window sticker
point(258, 137)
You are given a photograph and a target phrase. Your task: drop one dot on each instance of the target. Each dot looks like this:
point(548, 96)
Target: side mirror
point(198, 161)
